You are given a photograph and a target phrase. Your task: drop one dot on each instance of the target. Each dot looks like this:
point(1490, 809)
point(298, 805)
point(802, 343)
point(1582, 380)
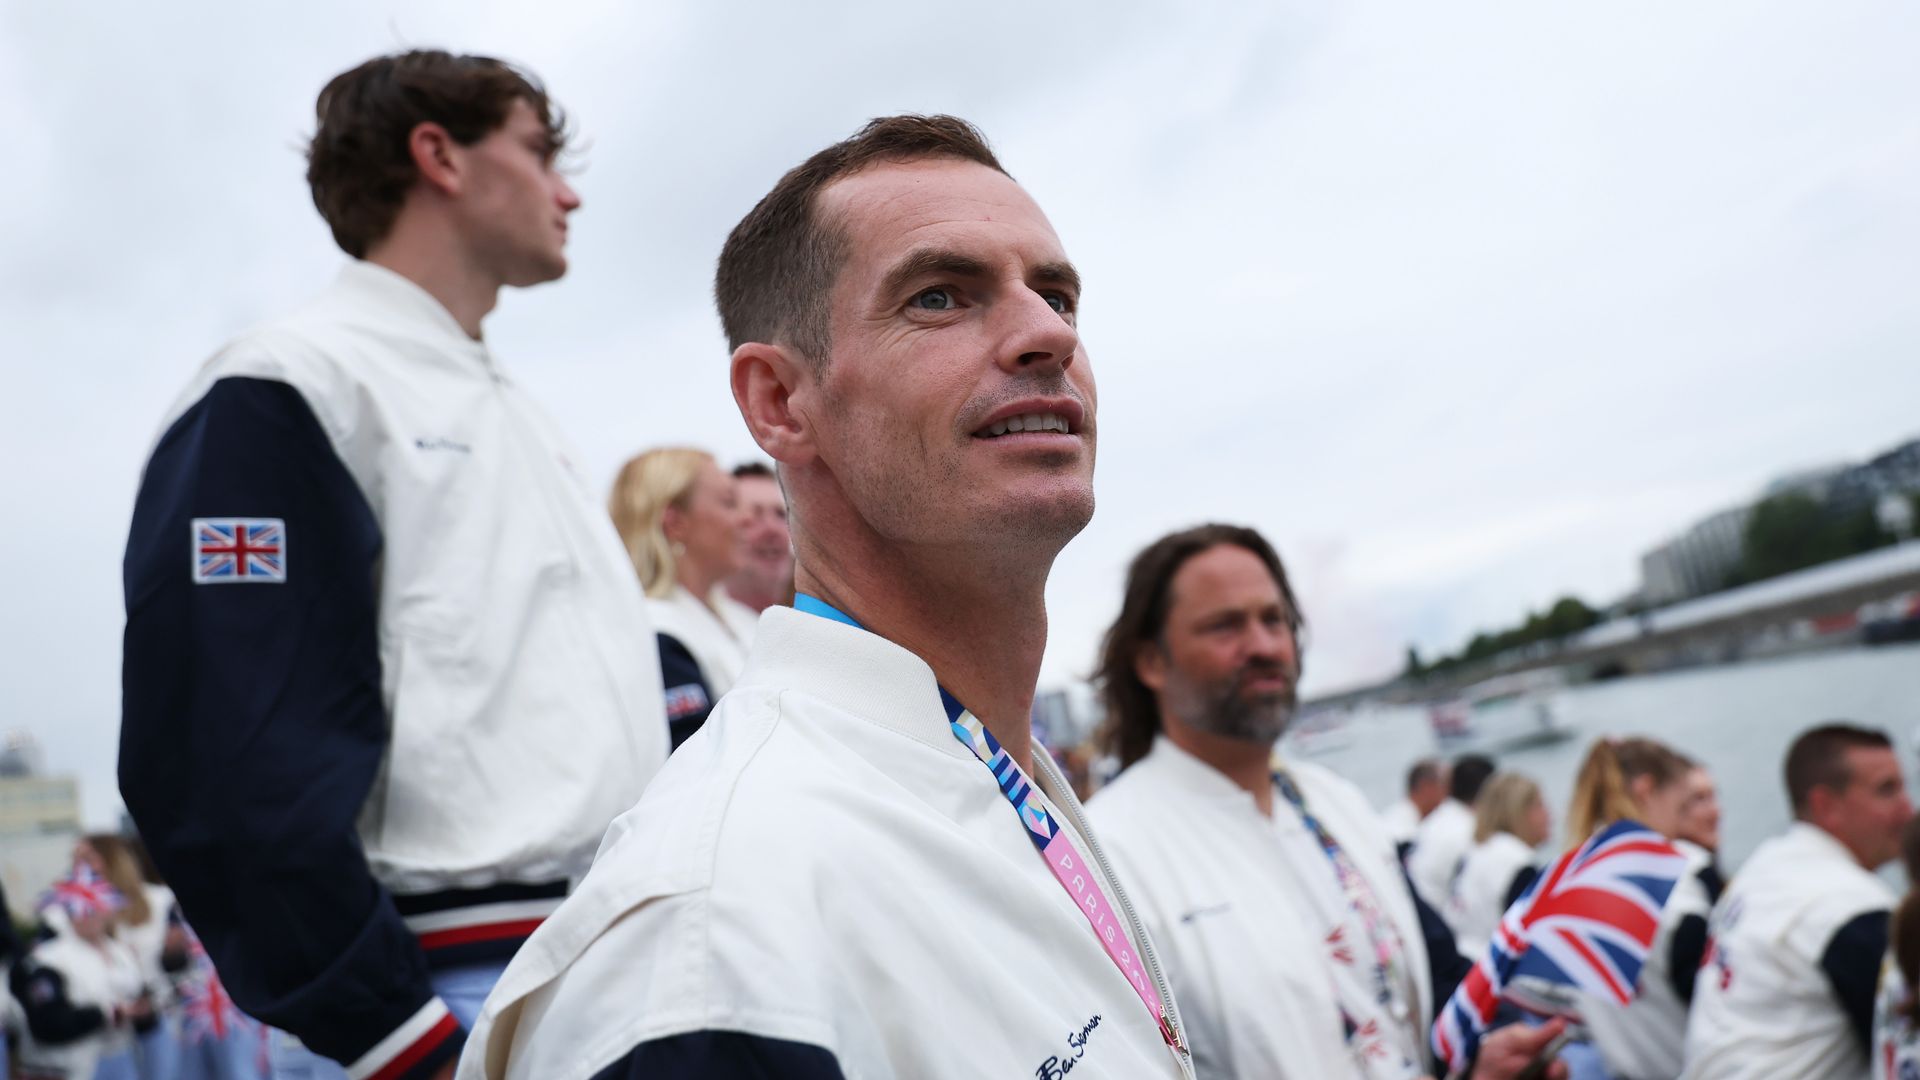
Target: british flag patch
point(239, 550)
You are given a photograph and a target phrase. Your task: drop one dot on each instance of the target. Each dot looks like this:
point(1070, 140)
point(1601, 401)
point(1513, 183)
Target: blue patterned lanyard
point(1359, 895)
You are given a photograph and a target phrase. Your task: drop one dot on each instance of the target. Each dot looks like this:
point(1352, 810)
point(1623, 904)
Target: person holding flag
point(80, 988)
point(1297, 947)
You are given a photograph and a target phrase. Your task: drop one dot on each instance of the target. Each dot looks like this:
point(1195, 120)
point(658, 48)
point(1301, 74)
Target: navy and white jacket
point(388, 673)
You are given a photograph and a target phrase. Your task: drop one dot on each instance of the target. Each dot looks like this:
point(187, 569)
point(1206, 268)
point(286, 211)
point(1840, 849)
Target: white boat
point(1504, 712)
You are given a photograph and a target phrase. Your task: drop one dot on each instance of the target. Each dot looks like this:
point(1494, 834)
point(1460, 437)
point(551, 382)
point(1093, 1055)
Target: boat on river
point(1506, 712)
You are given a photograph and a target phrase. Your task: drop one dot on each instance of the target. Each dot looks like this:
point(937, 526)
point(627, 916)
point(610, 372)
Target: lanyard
point(1046, 834)
point(1358, 893)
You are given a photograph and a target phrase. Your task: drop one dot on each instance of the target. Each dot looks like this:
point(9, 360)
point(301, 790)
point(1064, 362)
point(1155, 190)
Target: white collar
point(854, 670)
point(1196, 776)
point(371, 286)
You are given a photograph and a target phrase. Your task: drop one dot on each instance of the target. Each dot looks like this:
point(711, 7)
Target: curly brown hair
point(359, 165)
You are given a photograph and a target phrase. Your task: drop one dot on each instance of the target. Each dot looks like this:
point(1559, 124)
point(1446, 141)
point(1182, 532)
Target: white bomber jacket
point(824, 883)
point(388, 672)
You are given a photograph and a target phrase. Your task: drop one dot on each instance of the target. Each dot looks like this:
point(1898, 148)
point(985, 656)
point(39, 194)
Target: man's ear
point(436, 157)
point(1150, 666)
point(772, 386)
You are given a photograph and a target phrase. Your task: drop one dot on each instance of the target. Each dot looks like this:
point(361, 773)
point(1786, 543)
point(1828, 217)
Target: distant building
point(1698, 561)
point(39, 823)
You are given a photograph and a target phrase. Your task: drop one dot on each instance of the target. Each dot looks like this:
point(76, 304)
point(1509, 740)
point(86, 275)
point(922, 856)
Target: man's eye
point(940, 299)
point(1060, 302)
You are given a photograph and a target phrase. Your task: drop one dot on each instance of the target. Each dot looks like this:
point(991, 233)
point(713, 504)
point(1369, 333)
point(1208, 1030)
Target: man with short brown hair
point(863, 866)
point(1793, 963)
point(388, 674)
point(765, 577)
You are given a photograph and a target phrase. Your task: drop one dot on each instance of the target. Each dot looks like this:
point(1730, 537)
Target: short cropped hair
point(359, 165)
point(1133, 713)
point(778, 267)
point(1818, 758)
point(752, 468)
point(1469, 772)
point(1424, 771)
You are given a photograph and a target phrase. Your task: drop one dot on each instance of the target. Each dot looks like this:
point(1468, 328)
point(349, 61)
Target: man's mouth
point(1039, 422)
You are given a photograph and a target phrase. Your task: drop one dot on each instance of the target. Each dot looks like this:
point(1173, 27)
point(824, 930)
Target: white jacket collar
point(1195, 776)
point(869, 676)
point(1819, 843)
point(393, 297)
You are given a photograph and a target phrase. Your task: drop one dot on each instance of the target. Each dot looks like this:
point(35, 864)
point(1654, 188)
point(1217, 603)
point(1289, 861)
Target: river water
point(1736, 719)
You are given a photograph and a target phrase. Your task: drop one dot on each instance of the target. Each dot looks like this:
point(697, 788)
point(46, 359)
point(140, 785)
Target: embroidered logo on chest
point(1058, 1065)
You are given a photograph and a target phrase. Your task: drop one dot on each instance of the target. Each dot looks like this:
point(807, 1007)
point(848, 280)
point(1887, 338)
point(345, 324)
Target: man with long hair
point(387, 672)
point(1296, 946)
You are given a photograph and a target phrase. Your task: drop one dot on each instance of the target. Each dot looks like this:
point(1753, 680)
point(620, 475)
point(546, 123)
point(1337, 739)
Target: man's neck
point(1248, 764)
point(460, 284)
point(982, 633)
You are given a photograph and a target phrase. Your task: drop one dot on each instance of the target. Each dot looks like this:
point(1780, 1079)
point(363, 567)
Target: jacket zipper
point(1170, 1016)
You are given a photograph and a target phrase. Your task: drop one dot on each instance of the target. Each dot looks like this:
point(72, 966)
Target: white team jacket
point(520, 632)
point(717, 642)
point(823, 862)
point(1439, 847)
point(1220, 886)
point(1479, 892)
point(1763, 1007)
point(103, 976)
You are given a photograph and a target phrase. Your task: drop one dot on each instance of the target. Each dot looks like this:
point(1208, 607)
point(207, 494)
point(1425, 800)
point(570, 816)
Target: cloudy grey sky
point(1466, 304)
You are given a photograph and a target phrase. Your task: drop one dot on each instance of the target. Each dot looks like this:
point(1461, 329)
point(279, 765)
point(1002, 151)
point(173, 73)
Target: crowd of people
point(451, 767)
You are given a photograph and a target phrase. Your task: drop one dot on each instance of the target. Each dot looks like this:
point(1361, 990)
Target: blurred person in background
point(1699, 832)
point(1799, 937)
point(379, 712)
point(9, 1009)
point(1446, 834)
point(1296, 946)
point(765, 577)
point(679, 517)
point(1647, 781)
point(1511, 821)
point(1426, 789)
point(148, 924)
point(80, 987)
point(1896, 1008)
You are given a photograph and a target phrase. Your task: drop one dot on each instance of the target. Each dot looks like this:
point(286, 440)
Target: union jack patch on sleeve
point(239, 550)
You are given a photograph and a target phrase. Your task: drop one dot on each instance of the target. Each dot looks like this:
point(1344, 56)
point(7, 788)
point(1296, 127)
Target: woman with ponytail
point(1646, 781)
point(1896, 1010)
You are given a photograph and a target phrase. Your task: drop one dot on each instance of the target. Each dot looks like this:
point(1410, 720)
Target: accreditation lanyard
point(1047, 835)
point(1353, 885)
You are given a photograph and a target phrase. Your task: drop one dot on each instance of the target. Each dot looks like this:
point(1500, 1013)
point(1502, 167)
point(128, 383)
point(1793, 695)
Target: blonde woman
point(147, 925)
point(679, 516)
point(1511, 821)
point(1647, 781)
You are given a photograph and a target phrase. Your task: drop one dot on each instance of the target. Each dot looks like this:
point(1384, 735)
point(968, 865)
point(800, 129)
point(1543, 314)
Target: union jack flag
point(207, 1013)
point(239, 550)
point(1583, 928)
point(83, 892)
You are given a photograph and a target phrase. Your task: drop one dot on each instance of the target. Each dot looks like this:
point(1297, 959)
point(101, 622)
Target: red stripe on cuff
point(466, 935)
point(424, 1045)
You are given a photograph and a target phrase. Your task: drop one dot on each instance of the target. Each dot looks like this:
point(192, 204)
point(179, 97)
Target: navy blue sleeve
point(252, 726)
point(1445, 966)
point(1685, 953)
point(688, 700)
point(723, 1055)
point(1522, 881)
point(51, 1017)
point(9, 937)
point(1852, 962)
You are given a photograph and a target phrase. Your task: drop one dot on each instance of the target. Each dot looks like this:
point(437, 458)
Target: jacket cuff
point(415, 1049)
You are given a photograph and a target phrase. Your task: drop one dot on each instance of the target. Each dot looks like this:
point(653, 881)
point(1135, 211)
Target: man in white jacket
point(862, 865)
point(388, 674)
point(1271, 886)
point(1797, 939)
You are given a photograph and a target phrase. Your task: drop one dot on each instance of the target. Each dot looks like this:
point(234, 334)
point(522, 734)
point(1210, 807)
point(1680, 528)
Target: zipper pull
point(1171, 1036)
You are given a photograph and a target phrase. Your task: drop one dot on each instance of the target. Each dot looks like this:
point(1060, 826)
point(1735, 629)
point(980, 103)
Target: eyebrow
point(940, 262)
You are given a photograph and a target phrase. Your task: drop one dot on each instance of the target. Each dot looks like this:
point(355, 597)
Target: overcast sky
point(1465, 304)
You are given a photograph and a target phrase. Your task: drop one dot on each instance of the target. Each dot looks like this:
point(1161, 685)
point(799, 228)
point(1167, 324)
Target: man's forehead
point(1224, 575)
point(891, 208)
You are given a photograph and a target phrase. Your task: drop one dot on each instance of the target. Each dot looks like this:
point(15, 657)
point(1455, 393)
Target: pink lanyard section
point(1067, 866)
